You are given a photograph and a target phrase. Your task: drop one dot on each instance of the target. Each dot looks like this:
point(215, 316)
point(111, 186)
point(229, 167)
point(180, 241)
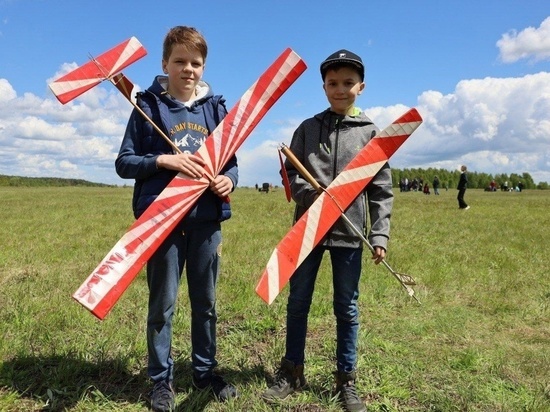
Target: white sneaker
point(467, 207)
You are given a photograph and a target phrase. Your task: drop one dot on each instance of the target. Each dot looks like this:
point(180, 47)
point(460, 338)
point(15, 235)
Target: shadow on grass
point(190, 399)
point(59, 382)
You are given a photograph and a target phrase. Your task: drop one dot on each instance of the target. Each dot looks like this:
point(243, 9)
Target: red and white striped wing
point(323, 213)
point(250, 109)
point(83, 78)
point(113, 275)
point(117, 270)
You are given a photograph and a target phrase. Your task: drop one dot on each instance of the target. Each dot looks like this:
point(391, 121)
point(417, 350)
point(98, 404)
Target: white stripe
point(399, 129)
point(313, 217)
point(59, 88)
point(272, 277)
point(131, 48)
point(358, 173)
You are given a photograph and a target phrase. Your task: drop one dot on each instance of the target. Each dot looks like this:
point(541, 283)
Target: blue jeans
point(346, 271)
point(197, 249)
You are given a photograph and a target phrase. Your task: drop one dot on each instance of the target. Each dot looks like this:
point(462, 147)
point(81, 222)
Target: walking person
point(435, 184)
point(325, 144)
point(462, 185)
point(186, 109)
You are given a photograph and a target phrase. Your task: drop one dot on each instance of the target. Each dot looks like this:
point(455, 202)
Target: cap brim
point(332, 62)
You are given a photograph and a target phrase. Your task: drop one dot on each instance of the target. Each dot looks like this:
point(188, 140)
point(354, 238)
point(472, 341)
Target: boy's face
point(184, 69)
point(342, 86)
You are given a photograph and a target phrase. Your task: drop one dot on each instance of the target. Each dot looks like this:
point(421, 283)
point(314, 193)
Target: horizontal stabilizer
point(103, 67)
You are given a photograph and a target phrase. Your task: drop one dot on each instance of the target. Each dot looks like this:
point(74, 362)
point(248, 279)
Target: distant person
point(462, 185)
point(426, 189)
point(520, 186)
point(180, 98)
point(346, 127)
point(435, 184)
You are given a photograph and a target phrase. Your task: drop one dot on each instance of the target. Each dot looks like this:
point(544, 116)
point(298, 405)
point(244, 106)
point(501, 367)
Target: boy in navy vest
point(186, 109)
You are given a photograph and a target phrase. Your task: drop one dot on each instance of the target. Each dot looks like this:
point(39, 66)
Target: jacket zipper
point(335, 156)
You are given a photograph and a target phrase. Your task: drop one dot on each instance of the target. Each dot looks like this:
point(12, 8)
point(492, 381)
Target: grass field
point(480, 341)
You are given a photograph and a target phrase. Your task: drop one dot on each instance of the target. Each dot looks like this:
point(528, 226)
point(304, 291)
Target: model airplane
point(108, 281)
point(309, 230)
point(405, 280)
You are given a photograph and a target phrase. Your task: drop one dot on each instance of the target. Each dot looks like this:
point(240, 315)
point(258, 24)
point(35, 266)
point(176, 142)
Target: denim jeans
point(197, 249)
point(346, 271)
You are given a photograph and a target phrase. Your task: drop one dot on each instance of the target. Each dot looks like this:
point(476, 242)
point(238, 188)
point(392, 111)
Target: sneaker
point(222, 390)
point(162, 397)
point(347, 394)
point(467, 207)
point(288, 378)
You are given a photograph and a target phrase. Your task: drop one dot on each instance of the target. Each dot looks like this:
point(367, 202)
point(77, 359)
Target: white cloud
point(530, 43)
point(494, 125)
point(42, 137)
point(259, 164)
point(6, 91)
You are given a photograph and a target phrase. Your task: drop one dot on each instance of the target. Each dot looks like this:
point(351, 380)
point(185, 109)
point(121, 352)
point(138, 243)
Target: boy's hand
point(221, 185)
point(378, 255)
point(186, 163)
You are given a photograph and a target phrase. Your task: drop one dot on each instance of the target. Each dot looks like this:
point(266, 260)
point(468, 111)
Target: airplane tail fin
point(124, 85)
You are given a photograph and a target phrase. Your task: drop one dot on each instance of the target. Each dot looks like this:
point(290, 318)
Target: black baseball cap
point(343, 57)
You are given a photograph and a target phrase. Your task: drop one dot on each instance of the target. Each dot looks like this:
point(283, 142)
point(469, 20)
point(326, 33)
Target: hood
point(160, 84)
point(330, 121)
point(329, 118)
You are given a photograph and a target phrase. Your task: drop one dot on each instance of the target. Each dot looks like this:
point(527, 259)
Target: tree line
point(21, 181)
point(447, 178)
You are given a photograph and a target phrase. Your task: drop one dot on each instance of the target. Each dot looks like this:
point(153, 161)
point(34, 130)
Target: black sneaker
point(162, 397)
point(222, 390)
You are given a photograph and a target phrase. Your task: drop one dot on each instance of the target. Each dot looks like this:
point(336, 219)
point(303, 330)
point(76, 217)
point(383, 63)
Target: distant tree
point(527, 181)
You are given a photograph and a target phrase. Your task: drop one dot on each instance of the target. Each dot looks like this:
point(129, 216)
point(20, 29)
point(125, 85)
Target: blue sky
point(477, 71)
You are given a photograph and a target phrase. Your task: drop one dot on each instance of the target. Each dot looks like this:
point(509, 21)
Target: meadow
point(479, 341)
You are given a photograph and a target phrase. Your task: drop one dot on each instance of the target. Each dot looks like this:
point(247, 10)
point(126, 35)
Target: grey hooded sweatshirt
point(325, 144)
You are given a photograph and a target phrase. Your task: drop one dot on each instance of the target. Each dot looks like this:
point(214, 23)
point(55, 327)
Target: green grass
point(480, 340)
